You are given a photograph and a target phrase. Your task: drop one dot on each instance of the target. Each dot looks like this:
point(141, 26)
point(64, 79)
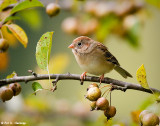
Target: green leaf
point(11, 75)
point(133, 35)
point(36, 86)
point(26, 4)
point(149, 101)
point(155, 3)
point(43, 50)
point(11, 18)
point(106, 25)
point(5, 3)
point(35, 22)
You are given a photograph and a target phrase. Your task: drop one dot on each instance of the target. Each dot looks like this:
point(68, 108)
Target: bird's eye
point(79, 43)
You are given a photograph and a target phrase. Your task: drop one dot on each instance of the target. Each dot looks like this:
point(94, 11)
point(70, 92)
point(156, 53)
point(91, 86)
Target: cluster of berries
point(98, 102)
point(7, 92)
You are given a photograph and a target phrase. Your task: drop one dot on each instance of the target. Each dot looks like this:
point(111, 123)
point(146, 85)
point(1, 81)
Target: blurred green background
point(70, 92)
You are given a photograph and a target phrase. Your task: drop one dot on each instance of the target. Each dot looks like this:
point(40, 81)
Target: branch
point(69, 76)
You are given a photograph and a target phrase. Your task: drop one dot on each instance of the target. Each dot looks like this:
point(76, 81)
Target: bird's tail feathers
point(122, 71)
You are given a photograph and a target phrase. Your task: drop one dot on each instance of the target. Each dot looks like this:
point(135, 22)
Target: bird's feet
point(82, 77)
point(101, 78)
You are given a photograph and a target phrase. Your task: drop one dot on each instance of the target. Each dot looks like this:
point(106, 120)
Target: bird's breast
point(94, 64)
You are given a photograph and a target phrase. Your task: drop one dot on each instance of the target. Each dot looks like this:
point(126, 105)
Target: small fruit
point(69, 25)
point(93, 93)
point(52, 9)
point(110, 112)
point(83, 29)
point(92, 85)
point(103, 9)
point(129, 21)
point(3, 45)
point(142, 114)
point(150, 119)
point(102, 104)
point(6, 93)
point(93, 105)
point(90, 7)
point(16, 88)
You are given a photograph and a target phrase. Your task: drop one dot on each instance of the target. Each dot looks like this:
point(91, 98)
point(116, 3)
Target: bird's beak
point(71, 46)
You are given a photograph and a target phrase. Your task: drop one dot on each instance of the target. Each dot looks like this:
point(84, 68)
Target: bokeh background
point(67, 105)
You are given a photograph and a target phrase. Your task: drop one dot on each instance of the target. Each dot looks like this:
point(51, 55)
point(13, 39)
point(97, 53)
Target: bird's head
point(82, 45)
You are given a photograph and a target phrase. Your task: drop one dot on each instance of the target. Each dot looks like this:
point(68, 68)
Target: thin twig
point(67, 76)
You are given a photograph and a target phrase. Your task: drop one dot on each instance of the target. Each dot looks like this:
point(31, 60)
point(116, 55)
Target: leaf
point(43, 50)
point(35, 22)
point(11, 75)
point(141, 77)
point(26, 4)
point(155, 3)
point(4, 59)
point(11, 18)
point(133, 35)
point(5, 3)
point(4, 14)
point(8, 35)
point(37, 103)
point(106, 25)
point(19, 33)
point(36, 86)
point(147, 102)
point(135, 116)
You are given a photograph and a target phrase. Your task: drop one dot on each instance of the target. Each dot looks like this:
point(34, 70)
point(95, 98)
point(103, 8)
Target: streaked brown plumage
point(94, 58)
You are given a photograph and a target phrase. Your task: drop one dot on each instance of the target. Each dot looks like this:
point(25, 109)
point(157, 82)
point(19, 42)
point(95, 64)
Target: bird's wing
point(112, 59)
point(107, 54)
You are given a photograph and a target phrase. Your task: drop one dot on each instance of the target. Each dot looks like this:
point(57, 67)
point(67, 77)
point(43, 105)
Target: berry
point(141, 115)
point(92, 85)
point(93, 105)
point(16, 88)
point(3, 45)
point(102, 104)
point(6, 93)
point(93, 93)
point(150, 119)
point(110, 112)
point(69, 25)
point(52, 9)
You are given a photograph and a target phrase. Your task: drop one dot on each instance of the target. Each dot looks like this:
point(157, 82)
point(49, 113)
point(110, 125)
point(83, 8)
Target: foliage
point(99, 19)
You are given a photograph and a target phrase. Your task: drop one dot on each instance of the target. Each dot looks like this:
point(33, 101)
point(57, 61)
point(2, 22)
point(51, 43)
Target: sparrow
point(94, 58)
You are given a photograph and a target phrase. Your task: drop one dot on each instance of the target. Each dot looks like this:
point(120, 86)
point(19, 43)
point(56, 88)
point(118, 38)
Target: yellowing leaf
point(5, 3)
point(4, 14)
point(141, 77)
point(14, 74)
point(43, 50)
point(36, 103)
point(9, 36)
point(19, 33)
point(135, 116)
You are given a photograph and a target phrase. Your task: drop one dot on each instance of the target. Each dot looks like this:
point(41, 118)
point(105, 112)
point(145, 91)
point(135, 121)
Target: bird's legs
point(83, 76)
point(101, 78)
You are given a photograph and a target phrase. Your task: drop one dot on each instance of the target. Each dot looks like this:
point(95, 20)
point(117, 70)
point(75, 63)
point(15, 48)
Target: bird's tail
point(122, 71)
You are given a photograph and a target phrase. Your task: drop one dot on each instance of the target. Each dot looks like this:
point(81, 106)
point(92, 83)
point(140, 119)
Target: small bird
point(94, 58)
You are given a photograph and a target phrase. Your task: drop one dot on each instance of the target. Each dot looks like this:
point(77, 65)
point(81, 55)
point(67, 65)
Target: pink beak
point(71, 46)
